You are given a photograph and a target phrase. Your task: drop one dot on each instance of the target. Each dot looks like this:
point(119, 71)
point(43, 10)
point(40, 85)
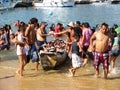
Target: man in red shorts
point(100, 47)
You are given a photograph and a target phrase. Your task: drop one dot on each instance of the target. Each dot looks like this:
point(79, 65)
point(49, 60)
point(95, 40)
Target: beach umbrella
point(117, 30)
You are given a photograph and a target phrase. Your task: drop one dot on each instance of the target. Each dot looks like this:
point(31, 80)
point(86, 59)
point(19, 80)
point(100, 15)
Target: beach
point(53, 79)
point(57, 79)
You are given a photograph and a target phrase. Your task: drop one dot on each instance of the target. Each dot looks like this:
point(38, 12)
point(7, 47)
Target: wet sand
point(53, 79)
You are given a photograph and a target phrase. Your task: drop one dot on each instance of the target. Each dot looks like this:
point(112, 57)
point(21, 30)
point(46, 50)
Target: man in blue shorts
point(30, 34)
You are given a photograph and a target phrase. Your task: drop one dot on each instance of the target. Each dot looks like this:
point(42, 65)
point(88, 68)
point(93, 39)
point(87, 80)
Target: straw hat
point(71, 24)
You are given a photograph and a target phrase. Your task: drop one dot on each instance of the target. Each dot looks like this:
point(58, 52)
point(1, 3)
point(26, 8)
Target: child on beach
point(76, 61)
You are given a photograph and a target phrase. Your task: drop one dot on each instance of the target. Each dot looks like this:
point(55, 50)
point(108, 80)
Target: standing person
point(20, 51)
point(4, 37)
point(70, 29)
point(52, 27)
point(30, 35)
point(41, 34)
point(78, 24)
point(101, 54)
point(58, 29)
point(8, 32)
point(51, 32)
point(86, 34)
point(114, 53)
point(76, 61)
point(17, 24)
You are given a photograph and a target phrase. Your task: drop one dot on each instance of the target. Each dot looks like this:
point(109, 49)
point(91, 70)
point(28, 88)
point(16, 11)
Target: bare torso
point(101, 42)
point(31, 34)
point(39, 35)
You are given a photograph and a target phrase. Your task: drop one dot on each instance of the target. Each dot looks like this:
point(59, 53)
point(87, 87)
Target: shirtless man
point(70, 30)
point(41, 34)
point(101, 54)
point(30, 35)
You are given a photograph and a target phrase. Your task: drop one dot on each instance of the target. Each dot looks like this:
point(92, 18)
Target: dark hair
point(78, 22)
point(7, 27)
point(51, 29)
point(33, 20)
point(59, 24)
point(86, 24)
point(78, 31)
point(22, 23)
point(115, 26)
point(93, 29)
point(68, 34)
point(114, 33)
point(104, 24)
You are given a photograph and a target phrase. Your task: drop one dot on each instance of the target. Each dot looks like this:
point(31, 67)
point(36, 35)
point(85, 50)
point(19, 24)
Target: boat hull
point(9, 5)
point(65, 4)
point(50, 61)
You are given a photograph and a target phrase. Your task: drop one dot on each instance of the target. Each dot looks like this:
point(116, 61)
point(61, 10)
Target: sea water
point(94, 14)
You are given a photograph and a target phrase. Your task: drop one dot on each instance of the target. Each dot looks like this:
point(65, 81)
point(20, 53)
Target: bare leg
point(112, 62)
point(97, 73)
point(21, 67)
point(25, 60)
point(105, 73)
point(85, 62)
point(72, 71)
point(36, 66)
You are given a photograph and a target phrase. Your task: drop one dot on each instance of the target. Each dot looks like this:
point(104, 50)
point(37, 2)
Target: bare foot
point(18, 72)
point(71, 72)
point(97, 76)
point(69, 75)
point(21, 76)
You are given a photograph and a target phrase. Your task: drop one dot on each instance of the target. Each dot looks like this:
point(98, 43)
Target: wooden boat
point(50, 60)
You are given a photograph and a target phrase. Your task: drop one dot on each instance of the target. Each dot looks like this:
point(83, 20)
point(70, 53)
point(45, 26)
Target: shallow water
point(53, 79)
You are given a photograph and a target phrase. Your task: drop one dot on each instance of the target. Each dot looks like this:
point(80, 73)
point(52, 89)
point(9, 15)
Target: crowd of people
point(82, 43)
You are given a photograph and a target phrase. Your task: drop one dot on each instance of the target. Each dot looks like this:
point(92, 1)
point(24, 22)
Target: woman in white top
point(20, 50)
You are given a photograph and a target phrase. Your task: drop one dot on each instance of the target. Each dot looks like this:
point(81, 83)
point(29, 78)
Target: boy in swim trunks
point(76, 61)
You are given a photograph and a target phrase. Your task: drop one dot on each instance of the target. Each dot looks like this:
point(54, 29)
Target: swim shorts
point(101, 58)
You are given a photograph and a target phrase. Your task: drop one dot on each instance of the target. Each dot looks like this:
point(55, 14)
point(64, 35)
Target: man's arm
point(27, 31)
point(63, 32)
point(91, 46)
point(40, 33)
